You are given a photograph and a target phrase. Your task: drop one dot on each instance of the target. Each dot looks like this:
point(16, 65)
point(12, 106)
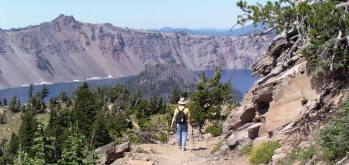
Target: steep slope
point(287, 104)
point(67, 50)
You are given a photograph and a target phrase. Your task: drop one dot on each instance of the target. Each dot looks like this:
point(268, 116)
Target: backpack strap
point(181, 110)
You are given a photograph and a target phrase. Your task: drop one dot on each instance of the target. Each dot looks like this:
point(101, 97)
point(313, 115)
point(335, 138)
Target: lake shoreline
point(241, 79)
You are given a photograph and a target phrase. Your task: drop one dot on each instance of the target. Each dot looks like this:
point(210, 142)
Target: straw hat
point(182, 101)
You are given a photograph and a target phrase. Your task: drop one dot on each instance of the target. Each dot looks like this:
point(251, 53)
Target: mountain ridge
point(67, 50)
point(246, 30)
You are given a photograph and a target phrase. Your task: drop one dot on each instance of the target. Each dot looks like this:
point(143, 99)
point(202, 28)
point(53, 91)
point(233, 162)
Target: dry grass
point(14, 122)
point(12, 125)
point(217, 147)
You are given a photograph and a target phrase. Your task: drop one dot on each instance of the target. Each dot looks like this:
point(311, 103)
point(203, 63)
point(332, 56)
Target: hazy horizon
point(136, 14)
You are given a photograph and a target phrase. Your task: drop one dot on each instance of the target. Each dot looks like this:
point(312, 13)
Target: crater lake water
point(242, 80)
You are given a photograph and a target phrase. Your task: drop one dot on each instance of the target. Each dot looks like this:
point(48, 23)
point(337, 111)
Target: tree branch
point(341, 161)
point(340, 36)
point(291, 2)
point(259, 35)
point(293, 48)
point(345, 4)
point(231, 29)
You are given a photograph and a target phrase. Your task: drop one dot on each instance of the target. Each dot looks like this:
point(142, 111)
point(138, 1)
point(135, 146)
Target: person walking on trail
point(182, 117)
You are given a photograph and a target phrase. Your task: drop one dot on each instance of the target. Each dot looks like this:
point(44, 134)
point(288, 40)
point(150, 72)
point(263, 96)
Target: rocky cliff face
point(287, 104)
point(66, 50)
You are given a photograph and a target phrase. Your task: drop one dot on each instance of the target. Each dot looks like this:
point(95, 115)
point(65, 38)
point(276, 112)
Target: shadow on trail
point(199, 149)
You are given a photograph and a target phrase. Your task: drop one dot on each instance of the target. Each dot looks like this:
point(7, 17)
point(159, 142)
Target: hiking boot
point(183, 149)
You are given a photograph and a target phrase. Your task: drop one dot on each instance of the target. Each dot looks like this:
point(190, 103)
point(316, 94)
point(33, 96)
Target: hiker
point(182, 117)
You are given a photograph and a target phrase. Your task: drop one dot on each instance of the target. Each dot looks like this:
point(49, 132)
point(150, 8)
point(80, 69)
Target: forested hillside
point(96, 117)
point(161, 80)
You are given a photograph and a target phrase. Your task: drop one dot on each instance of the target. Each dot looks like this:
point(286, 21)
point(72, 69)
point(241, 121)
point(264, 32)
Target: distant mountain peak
point(65, 19)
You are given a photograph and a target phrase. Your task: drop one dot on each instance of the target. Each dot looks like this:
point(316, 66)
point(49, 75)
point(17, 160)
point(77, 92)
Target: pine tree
point(14, 105)
point(63, 97)
point(57, 128)
point(14, 144)
point(27, 131)
point(100, 134)
point(207, 99)
point(90, 157)
point(42, 95)
point(73, 151)
point(30, 92)
point(175, 95)
point(43, 146)
point(23, 158)
point(85, 109)
point(4, 101)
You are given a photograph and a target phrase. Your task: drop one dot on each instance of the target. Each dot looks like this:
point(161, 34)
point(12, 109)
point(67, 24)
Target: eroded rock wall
point(287, 100)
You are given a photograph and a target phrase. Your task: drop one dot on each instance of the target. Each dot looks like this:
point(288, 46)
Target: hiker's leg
point(179, 135)
point(184, 135)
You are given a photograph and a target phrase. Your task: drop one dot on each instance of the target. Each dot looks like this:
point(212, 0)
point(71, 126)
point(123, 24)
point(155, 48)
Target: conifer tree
point(30, 92)
point(43, 146)
point(57, 126)
point(43, 94)
point(4, 101)
point(23, 158)
point(14, 105)
point(175, 95)
point(207, 99)
point(100, 134)
point(73, 151)
point(85, 109)
point(27, 131)
point(13, 144)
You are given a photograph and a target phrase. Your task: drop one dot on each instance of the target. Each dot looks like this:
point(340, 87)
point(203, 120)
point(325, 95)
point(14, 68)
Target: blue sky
point(138, 14)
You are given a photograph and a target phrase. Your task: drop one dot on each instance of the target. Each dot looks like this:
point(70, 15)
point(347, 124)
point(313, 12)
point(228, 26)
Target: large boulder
point(236, 137)
point(109, 153)
point(242, 115)
point(253, 130)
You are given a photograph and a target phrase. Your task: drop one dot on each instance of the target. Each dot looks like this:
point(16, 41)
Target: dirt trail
point(167, 154)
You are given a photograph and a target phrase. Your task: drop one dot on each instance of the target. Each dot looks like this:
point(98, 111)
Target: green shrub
point(263, 153)
point(307, 153)
point(334, 137)
point(163, 137)
point(215, 129)
point(297, 153)
point(291, 156)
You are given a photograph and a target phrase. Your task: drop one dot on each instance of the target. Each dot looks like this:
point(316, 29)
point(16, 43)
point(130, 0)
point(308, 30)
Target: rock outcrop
point(109, 153)
point(286, 104)
point(66, 50)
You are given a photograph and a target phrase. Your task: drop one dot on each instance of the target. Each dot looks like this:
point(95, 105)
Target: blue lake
point(241, 80)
